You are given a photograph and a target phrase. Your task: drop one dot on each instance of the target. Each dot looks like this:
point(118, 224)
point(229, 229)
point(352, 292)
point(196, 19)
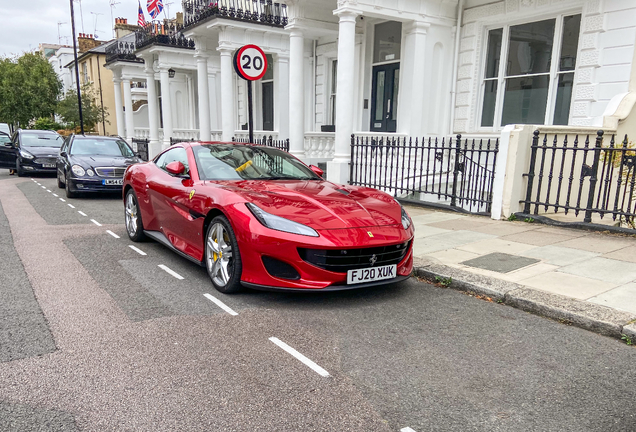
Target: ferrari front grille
point(110, 172)
point(343, 260)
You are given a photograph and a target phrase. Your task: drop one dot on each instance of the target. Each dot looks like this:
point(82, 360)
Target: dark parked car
point(93, 164)
point(31, 151)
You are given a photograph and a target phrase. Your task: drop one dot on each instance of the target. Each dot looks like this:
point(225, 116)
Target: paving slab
point(448, 240)
point(626, 254)
point(500, 262)
point(466, 223)
point(496, 245)
point(452, 256)
point(598, 243)
point(603, 269)
point(427, 230)
point(569, 285)
point(559, 256)
point(622, 297)
point(435, 217)
point(537, 238)
point(502, 228)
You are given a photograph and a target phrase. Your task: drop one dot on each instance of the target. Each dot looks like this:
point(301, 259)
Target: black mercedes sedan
point(93, 164)
point(31, 151)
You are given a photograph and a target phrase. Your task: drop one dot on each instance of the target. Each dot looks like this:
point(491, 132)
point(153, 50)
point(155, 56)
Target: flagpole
point(77, 80)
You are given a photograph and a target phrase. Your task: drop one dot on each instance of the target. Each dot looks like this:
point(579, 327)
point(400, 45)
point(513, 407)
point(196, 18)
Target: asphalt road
point(95, 336)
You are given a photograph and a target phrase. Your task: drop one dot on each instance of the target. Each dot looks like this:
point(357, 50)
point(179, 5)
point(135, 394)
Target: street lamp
point(171, 73)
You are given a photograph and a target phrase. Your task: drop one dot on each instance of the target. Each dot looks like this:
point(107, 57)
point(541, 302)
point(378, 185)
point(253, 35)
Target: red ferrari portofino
point(258, 217)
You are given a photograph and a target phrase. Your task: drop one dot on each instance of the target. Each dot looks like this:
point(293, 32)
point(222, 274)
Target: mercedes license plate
point(371, 274)
point(48, 165)
point(111, 182)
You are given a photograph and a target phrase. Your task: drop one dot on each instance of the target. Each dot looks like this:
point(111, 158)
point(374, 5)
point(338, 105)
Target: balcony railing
point(264, 12)
point(122, 51)
point(165, 34)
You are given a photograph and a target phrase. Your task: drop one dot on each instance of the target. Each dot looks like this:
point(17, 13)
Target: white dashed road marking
point(169, 271)
point(82, 213)
point(71, 205)
point(139, 251)
point(320, 371)
point(48, 191)
point(112, 233)
point(62, 199)
point(43, 187)
point(95, 222)
point(407, 429)
point(56, 195)
point(220, 304)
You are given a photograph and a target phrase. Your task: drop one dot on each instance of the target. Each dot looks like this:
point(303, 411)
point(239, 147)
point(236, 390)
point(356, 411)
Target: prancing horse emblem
point(370, 233)
point(192, 193)
point(373, 259)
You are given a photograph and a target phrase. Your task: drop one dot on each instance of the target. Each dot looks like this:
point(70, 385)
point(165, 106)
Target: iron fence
point(142, 147)
point(122, 51)
point(590, 177)
point(174, 141)
point(448, 172)
point(255, 11)
point(166, 34)
point(266, 141)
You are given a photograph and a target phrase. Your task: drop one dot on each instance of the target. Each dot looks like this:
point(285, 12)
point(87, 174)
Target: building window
point(529, 72)
point(332, 92)
point(84, 73)
point(267, 91)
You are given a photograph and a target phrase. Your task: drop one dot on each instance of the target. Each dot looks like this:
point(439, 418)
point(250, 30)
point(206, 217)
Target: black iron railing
point(450, 172)
point(174, 141)
point(142, 147)
point(582, 175)
point(122, 51)
point(166, 34)
point(254, 11)
point(266, 141)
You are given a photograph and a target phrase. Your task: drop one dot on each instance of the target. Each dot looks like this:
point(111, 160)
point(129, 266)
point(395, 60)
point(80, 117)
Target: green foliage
point(29, 89)
point(91, 110)
point(627, 339)
point(529, 220)
point(445, 282)
point(512, 217)
point(45, 123)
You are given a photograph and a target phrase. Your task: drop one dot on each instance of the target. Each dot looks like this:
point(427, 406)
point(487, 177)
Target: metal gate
point(451, 172)
point(583, 176)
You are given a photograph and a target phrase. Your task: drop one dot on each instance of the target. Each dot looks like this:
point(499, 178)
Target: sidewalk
point(578, 277)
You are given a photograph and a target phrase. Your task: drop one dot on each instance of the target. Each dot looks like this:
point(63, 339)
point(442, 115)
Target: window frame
point(553, 74)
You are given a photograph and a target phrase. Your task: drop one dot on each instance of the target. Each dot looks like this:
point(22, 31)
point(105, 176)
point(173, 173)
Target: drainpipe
point(313, 89)
point(453, 94)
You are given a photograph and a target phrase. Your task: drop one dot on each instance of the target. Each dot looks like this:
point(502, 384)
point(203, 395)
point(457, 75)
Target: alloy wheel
point(219, 255)
point(131, 215)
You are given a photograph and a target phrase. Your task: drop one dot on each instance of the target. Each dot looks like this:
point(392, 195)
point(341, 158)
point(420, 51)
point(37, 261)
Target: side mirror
point(63, 154)
point(316, 170)
point(8, 144)
point(176, 168)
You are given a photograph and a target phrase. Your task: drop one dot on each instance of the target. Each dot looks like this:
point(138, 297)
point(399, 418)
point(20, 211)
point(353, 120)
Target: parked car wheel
point(69, 192)
point(134, 224)
point(222, 257)
point(60, 183)
point(18, 169)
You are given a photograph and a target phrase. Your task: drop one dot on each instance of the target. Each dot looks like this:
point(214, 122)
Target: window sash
point(501, 77)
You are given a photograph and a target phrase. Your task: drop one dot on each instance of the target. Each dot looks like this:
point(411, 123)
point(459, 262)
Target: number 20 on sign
point(250, 62)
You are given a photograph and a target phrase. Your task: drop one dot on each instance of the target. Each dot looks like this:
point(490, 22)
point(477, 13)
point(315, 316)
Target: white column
point(119, 109)
point(154, 146)
point(128, 110)
point(413, 81)
point(228, 113)
point(204, 97)
point(296, 94)
point(166, 105)
point(338, 169)
point(281, 84)
point(214, 113)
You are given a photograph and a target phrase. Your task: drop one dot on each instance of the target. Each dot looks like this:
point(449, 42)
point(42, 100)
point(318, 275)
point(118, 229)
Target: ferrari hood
point(321, 204)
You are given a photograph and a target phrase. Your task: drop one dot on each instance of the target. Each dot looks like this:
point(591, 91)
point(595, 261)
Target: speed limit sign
point(250, 62)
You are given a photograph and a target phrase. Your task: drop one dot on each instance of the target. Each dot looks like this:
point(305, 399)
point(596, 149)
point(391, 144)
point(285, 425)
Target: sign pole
point(250, 112)
point(77, 78)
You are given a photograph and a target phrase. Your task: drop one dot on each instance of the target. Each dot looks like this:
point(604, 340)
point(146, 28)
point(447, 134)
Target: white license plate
point(48, 165)
point(371, 274)
point(110, 182)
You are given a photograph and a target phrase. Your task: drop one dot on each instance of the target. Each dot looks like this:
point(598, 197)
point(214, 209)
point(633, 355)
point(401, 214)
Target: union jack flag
point(154, 7)
point(141, 20)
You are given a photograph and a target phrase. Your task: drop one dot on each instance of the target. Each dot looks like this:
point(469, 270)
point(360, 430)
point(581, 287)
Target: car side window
point(175, 154)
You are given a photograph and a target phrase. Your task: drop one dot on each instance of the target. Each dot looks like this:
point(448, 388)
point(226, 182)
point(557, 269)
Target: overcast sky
point(27, 23)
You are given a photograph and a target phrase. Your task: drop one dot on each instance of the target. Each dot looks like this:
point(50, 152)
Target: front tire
point(134, 225)
point(67, 189)
point(222, 256)
point(60, 184)
point(18, 169)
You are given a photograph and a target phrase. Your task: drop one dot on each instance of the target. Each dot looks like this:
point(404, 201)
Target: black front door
point(384, 97)
point(268, 106)
point(7, 152)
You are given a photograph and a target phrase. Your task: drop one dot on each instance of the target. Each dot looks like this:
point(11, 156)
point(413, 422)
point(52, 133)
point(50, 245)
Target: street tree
point(92, 112)
point(29, 89)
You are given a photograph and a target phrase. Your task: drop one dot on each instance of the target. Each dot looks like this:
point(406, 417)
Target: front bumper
point(92, 185)
point(28, 165)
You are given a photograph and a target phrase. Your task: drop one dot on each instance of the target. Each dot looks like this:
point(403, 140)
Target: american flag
point(141, 21)
point(154, 7)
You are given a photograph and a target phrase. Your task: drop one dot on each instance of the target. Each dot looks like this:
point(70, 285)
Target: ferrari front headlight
point(280, 224)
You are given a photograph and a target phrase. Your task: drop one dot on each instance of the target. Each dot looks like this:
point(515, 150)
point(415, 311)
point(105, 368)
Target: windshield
point(41, 140)
point(100, 147)
point(238, 162)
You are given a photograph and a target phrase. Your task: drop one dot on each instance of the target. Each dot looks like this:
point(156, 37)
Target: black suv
point(31, 151)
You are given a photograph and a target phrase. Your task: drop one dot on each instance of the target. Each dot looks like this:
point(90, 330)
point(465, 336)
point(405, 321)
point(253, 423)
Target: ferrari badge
point(192, 193)
point(370, 233)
